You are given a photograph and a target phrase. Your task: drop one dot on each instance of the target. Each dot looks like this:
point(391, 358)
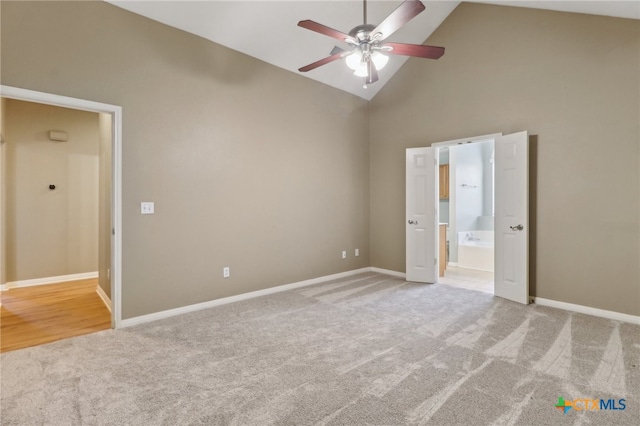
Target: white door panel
point(512, 217)
point(421, 213)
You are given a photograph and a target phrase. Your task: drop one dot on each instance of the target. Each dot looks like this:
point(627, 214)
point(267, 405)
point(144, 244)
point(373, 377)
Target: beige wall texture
point(573, 82)
point(51, 232)
point(249, 166)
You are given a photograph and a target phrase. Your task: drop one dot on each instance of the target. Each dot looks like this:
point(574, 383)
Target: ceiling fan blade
point(417, 50)
point(323, 29)
point(372, 76)
point(403, 14)
point(321, 62)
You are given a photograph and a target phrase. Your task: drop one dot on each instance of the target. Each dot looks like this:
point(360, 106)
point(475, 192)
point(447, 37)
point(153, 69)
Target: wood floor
point(31, 316)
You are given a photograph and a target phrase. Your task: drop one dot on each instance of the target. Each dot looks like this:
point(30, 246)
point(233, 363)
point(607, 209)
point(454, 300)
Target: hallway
point(36, 315)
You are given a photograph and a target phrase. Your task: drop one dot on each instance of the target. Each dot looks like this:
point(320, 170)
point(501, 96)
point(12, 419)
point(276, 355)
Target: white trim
point(617, 316)
point(50, 280)
point(55, 100)
point(104, 297)
point(116, 219)
point(225, 300)
point(473, 139)
point(389, 272)
point(116, 183)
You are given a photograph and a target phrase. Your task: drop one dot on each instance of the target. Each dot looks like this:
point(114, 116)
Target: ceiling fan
point(367, 54)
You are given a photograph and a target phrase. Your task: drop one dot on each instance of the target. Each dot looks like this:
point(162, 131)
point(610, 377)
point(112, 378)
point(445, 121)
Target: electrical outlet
point(344, 254)
point(226, 272)
point(357, 252)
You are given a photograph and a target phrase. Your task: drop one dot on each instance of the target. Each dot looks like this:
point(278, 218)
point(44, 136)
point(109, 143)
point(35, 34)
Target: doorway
point(511, 214)
point(110, 117)
point(466, 209)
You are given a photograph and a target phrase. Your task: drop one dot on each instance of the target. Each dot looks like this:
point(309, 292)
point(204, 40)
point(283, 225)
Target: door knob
point(517, 228)
point(413, 222)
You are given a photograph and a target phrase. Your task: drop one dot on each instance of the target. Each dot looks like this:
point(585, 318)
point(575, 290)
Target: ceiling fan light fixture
point(361, 70)
point(379, 60)
point(353, 60)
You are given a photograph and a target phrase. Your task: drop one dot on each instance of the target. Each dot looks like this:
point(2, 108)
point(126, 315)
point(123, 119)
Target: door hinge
point(113, 231)
point(435, 261)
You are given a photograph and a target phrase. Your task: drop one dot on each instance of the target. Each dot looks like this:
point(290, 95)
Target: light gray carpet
point(369, 349)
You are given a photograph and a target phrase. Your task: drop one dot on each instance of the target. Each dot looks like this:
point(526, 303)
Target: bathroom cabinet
point(443, 248)
point(444, 181)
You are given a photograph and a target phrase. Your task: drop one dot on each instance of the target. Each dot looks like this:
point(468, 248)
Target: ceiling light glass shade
point(354, 60)
point(362, 70)
point(379, 60)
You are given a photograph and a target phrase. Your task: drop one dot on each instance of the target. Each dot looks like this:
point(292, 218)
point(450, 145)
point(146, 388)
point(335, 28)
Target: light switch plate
point(147, 207)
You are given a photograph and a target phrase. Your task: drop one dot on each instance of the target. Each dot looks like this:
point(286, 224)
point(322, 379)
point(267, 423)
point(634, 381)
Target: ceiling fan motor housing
point(362, 32)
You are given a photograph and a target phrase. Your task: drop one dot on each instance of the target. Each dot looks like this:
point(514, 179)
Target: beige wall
point(250, 166)
point(267, 172)
point(104, 204)
point(569, 79)
point(51, 232)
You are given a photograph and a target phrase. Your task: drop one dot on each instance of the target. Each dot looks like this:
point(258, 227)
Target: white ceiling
point(267, 29)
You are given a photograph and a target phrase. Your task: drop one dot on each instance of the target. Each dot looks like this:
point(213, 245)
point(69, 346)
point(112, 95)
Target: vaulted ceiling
point(267, 30)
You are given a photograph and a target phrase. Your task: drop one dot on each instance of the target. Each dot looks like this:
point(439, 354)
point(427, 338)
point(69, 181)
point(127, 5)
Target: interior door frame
point(456, 142)
point(116, 176)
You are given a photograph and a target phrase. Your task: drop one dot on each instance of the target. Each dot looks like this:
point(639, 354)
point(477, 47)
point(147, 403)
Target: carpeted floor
point(369, 349)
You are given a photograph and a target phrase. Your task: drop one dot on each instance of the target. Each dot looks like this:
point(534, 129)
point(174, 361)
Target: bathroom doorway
point(510, 214)
point(466, 214)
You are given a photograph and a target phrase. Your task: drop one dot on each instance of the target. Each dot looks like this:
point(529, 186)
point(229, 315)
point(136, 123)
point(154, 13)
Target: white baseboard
point(104, 297)
point(388, 272)
point(49, 280)
point(618, 316)
point(217, 302)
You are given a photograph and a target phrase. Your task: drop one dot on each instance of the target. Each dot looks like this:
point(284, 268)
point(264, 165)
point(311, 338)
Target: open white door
point(512, 217)
point(421, 225)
